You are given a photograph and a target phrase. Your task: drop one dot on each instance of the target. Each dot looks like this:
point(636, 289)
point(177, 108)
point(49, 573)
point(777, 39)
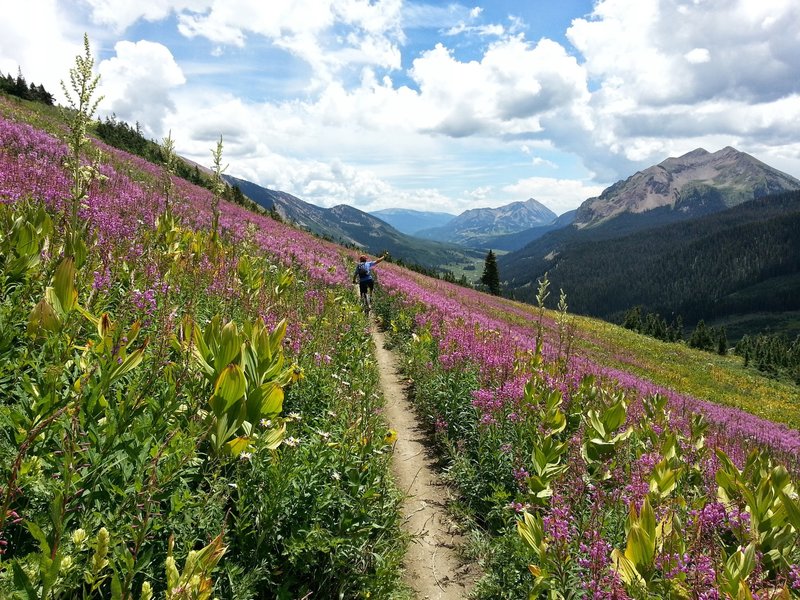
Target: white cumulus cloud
point(137, 83)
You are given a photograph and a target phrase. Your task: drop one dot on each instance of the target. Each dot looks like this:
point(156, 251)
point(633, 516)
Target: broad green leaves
point(246, 370)
point(602, 432)
point(50, 314)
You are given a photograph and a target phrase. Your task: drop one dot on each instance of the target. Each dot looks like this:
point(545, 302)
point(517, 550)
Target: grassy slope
point(722, 380)
point(719, 379)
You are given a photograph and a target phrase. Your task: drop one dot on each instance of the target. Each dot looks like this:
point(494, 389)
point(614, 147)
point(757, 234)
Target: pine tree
point(722, 342)
point(491, 276)
point(701, 337)
point(633, 319)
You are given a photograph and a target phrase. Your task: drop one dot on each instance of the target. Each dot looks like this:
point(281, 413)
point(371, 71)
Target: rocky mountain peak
point(689, 182)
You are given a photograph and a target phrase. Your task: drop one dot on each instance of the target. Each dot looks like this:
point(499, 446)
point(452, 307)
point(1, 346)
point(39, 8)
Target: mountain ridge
point(477, 226)
point(351, 226)
point(411, 221)
point(698, 181)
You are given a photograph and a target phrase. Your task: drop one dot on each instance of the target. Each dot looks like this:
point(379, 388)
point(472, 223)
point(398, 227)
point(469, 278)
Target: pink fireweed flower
point(794, 577)
point(557, 523)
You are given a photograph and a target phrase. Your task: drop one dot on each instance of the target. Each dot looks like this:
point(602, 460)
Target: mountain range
point(479, 227)
point(693, 235)
point(703, 235)
point(350, 226)
point(411, 221)
point(696, 183)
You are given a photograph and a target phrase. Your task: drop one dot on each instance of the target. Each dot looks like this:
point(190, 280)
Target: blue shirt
point(368, 277)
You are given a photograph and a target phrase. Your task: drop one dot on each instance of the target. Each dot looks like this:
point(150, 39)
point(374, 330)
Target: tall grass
point(188, 413)
point(583, 463)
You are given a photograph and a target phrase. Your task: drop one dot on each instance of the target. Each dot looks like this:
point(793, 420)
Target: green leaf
point(21, 580)
point(50, 574)
point(237, 445)
point(250, 361)
point(597, 424)
point(39, 536)
point(116, 587)
point(276, 337)
point(64, 284)
point(230, 387)
point(230, 345)
point(531, 530)
point(614, 416)
point(77, 247)
point(792, 511)
point(663, 480)
point(648, 519)
point(626, 569)
point(222, 432)
point(272, 402)
point(26, 242)
point(132, 361)
point(274, 369)
point(43, 318)
point(638, 547)
point(597, 449)
point(274, 437)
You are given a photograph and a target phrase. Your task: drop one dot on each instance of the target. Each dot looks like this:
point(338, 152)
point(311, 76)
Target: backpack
point(362, 270)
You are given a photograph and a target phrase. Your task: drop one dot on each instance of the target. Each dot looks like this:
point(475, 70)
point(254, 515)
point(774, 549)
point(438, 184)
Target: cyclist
point(363, 276)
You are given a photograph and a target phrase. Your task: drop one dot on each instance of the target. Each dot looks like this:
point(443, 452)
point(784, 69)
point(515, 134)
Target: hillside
point(475, 228)
point(353, 227)
point(708, 268)
point(189, 383)
point(163, 364)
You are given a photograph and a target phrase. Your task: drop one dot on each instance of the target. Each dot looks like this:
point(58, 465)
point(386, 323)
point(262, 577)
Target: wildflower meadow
point(189, 409)
point(581, 479)
point(187, 403)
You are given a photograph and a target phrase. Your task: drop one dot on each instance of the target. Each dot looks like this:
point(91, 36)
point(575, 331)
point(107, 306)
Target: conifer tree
point(491, 276)
point(722, 342)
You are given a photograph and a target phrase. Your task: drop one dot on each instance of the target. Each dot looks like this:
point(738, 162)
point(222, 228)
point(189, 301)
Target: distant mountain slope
point(677, 190)
point(514, 241)
point(351, 226)
point(742, 260)
point(475, 227)
point(411, 221)
point(696, 183)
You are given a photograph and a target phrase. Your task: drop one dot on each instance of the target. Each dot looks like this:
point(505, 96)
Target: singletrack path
point(433, 567)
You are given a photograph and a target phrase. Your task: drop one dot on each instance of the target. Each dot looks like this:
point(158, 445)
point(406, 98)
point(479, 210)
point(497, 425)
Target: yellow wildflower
point(297, 373)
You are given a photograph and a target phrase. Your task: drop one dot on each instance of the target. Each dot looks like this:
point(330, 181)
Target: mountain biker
point(363, 276)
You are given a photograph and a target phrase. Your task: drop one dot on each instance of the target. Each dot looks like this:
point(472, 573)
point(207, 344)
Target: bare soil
point(434, 567)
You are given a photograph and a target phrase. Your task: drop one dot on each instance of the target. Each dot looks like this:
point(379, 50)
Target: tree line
point(742, 260)
point(19, 87)
point(774, 355)
point(704, 337)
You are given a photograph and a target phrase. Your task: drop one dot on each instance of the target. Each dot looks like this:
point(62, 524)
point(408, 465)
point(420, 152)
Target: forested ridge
point(19, 87)
point(741, 260)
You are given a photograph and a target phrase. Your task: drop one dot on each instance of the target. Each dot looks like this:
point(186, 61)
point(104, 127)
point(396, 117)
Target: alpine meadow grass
point(189, 409)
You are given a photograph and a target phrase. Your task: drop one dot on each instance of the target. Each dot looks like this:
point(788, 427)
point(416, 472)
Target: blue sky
point(433, 105)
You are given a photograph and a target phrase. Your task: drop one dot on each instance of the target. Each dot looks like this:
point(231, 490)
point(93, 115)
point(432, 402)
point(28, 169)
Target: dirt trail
point(433, 568)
